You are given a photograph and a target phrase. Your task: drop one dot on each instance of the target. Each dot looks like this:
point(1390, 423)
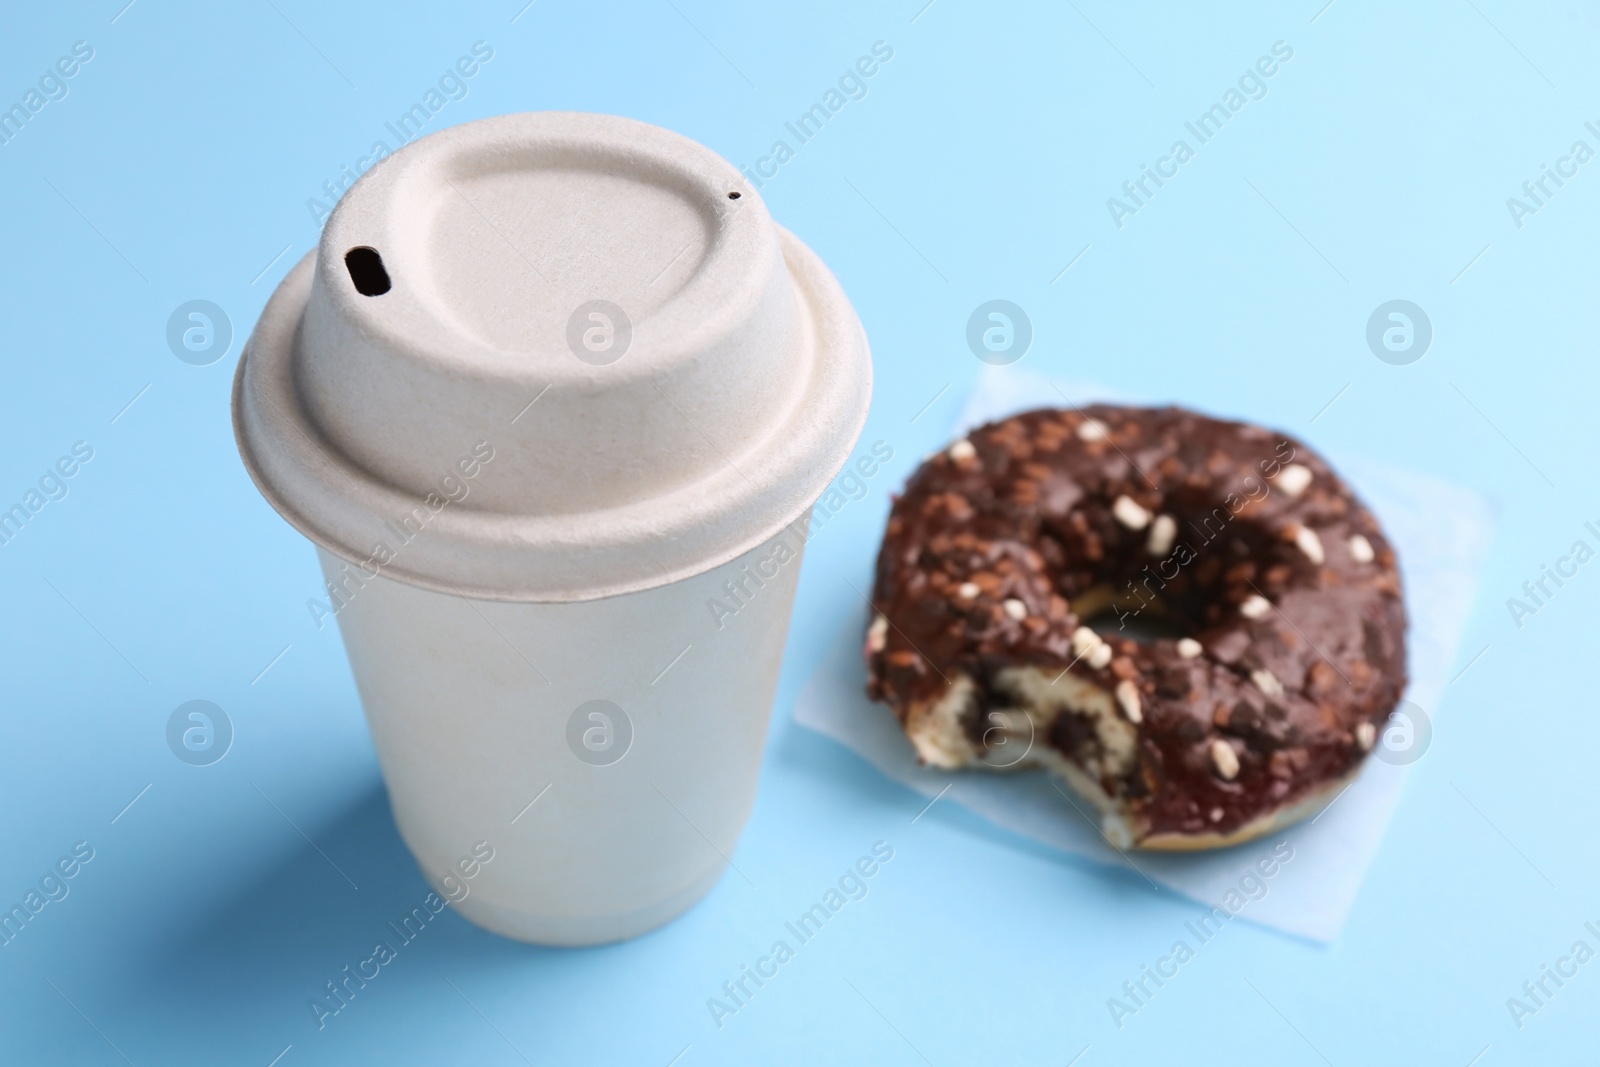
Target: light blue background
point(978, 166)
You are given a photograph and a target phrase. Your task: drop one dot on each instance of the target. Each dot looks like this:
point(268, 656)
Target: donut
point(1194, 623)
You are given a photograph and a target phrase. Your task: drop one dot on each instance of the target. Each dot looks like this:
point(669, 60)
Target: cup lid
point(550, 356)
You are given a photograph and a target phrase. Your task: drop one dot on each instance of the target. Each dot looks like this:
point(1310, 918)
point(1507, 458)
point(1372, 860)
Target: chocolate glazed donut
point(1193, 622)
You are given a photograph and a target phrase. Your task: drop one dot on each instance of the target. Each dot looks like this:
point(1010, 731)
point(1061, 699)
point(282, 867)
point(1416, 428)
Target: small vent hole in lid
point(366, 271)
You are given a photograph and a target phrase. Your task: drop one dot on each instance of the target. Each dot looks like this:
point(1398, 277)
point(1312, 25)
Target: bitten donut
point(1194, 622)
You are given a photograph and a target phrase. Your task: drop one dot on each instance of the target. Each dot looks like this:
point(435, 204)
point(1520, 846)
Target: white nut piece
point(961, 450)
point(1366, 736)
point(1294, 478)
point(1128, 698)
point(1100, 656)
point(1084, 641)
point(1015, 609)
point(1225, 760)
point(1129, 513)
point(968, 590)
point(1307, 541)
point(1163, 531)
point(1189, 648)
point(1267, 682)
point(877, 634)
point(1255, 606)
point(1093, 430)
point(1361, 549)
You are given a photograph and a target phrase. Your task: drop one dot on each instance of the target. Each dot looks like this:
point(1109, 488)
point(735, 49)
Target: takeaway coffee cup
point(554, 397)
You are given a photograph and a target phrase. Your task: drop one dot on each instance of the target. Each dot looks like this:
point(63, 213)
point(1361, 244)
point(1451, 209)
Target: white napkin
point(1442, 534)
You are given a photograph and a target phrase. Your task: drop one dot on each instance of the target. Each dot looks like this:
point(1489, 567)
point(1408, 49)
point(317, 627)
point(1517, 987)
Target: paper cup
point(554, 396)
point(607, 750)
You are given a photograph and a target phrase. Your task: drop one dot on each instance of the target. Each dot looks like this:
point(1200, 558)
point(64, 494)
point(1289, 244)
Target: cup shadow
point(259, 957)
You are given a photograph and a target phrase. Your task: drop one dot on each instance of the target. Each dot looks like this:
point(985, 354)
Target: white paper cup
point(551, 397)
point(613, 795)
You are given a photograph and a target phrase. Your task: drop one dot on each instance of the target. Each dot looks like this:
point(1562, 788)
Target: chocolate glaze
point(1029, 515)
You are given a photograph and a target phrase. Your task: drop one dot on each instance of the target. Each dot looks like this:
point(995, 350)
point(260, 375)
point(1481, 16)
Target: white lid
point(741, 385)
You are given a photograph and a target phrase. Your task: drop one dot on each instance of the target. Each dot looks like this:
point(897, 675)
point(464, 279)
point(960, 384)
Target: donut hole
point(1215, 561)
point(1145, 621)
point(1145, 628)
